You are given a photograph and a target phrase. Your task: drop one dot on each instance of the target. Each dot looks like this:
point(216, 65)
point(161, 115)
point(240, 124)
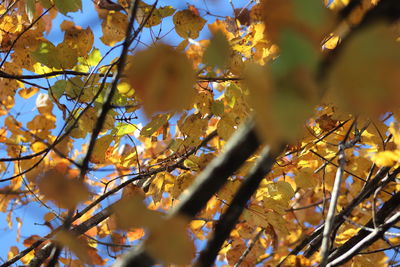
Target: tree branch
point(239, 148)
point(364, 237)
point(229, 219)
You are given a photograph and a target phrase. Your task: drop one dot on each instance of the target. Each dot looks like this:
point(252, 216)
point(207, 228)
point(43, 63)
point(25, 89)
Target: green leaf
point(217, 108)
point(65, 6)
point(156, 123)
point(60, 57)
point(58, 89)
point(296, 52)
point(166, 11)
point(313, 13)
point(46, 54)
point(124, 128)
point(119, 99)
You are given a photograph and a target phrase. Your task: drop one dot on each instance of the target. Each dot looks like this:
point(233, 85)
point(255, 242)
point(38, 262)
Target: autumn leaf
point(158, 74)
point(365, 75)
point(77, 246)
point(63, 191)
point(188, 24)
point(131, 212)
point(155, 17)
point(68, 6)
point(113, 27)
point(170, 242)
point(218, 51)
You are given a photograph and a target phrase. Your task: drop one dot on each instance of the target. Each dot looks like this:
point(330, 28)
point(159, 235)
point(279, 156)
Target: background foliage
point(177, 134)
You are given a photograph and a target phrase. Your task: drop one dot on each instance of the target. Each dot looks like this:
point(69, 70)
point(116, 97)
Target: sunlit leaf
point(188, 24)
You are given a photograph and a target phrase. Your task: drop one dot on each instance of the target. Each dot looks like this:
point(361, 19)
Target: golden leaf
point(305, 178)
point(28, 92)
point(113, 27)
point(188, 24)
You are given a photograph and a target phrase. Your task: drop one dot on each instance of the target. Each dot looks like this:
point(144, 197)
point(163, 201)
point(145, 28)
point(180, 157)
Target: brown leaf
point(64, 192)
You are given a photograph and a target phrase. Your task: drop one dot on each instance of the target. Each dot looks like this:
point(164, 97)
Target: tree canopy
point(236, 133)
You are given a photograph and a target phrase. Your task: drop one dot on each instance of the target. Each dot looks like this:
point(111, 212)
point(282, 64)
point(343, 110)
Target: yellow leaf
point(38, 146)
point(227, 125)
point(156, 123)
point(276, 205)
point(67, 57)
point(386, 158)
point(28, 257)
point(77, 38)
point(346, 235)
point(394, 129)
point(188, 24)
point(162, 182)
point(42, 123)
point(18, 219)
point(159, 74)
point(191, 164)
point(297, 260)
point(203, 102)
point(125, 89)
point(113, 27)
point(28, 92)
point(193, 126)
point(30, 240)
point(282, 189)
point(12, 252)
point(305, 178)
point(332, 42)
point(277, 222)
point(182, 182)
point(44, 104)
point(157, 14)
point(254, 215)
